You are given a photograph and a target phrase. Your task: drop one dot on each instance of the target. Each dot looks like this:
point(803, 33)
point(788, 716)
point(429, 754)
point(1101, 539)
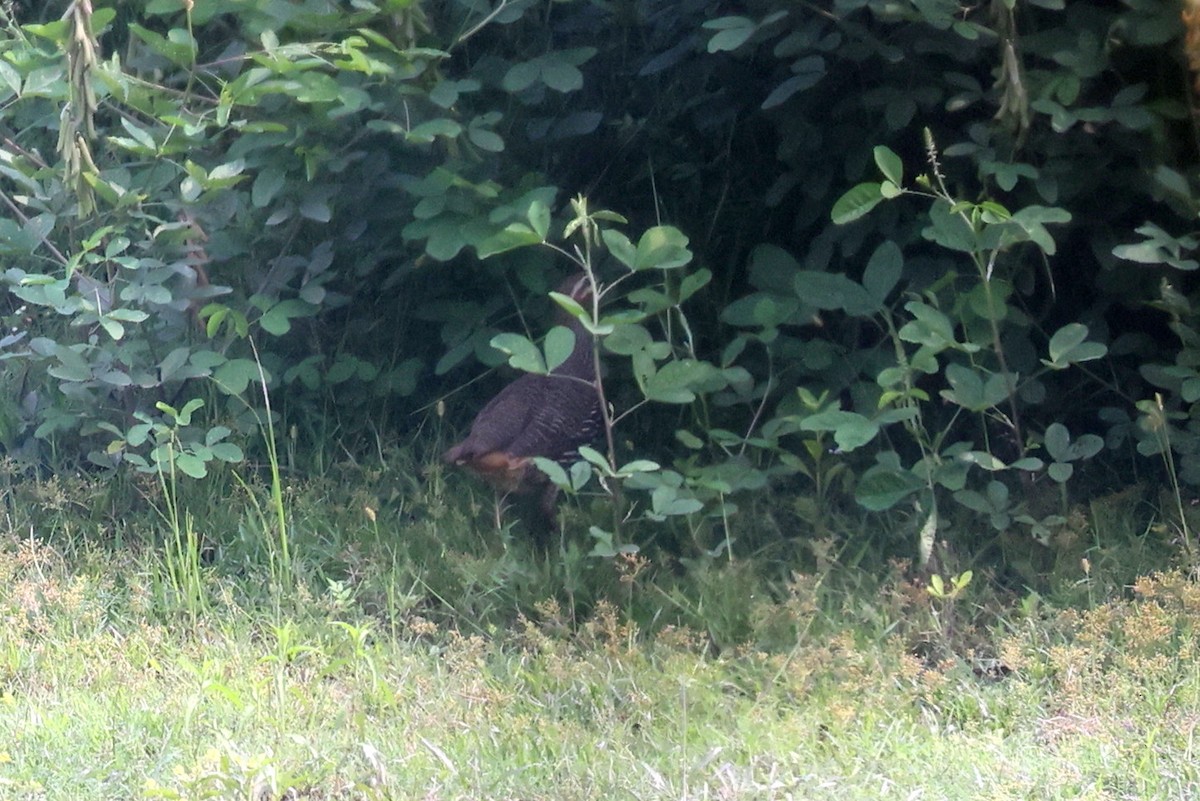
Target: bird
point(548, 415)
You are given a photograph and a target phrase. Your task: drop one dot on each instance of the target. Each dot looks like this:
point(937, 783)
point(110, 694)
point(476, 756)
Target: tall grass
point(412, 652)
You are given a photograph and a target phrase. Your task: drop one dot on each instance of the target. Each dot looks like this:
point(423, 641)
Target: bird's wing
point(564, 418)
point(502, 420)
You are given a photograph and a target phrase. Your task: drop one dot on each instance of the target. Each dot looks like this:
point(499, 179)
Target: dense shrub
point(347, 204)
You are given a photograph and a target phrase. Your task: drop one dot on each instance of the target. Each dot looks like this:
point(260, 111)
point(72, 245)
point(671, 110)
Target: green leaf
point(666, 501)
point(581, 474)
point(1067, 346)
point(112, 328)
point(1058, 442)
point(677, 381)
point(515, 235)
point(184, 418)
point(833, 291)
point(553, 470)
point(931, 327)
point(127, 315)
point(620, 247)
point(771, 269)
point(427, 131)
point(1144, 253)
point(596, 459)
point(639, 466)
point(1060, 471)
point(883, 486)
point(627, 339)
point(216, 434)
point(521, 76)
point(856, 203)
point(732, 33)
point(761, 309)
point(173, 362)
point(235, 375)
point(883, 271)
point(1066, 339)
point(445, 240)
point(584, 316)
point(966, 388)
point(277, 319)
point(115, 378)
point(990, 300)
point(1159, 247)
point(178, 48)
point(985, 460)
point(972, 391)
point(342, 370)
point(850, 429)
point(560, 341)
point(889, 164)
point(560, 75)
point(522, 354)
point(266, 186)
point(228, 452)
point(662, 247)
point(808, 73)
point(191, 465)
point(1087, 446)
point(539, 218)
point(948, 229)
point(485, 139)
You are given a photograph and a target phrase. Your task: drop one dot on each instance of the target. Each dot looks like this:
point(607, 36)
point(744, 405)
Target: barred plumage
point(537, 415)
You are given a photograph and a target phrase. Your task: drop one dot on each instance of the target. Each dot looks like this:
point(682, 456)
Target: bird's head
point(577, 287)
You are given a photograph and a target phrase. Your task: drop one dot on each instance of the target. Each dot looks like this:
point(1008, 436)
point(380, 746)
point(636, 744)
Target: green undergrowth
point(407, 649)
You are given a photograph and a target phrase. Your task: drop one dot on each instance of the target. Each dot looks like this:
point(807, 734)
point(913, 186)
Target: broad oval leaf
point(553, 470)
point(966, 388)
point(677, 381)
point(856, 203)
point(732, 33)
point(1058, 442)
point(930, 327)
point(889, 164)
point(277, 319)
point(521, 76)
point(620, 247)
point(1061, 471)
point(560, 341)
point(850, 429)
point(882, 487)
point(627, 339)
point(522, 354)
point(662, 247)
point(515, 235)
point(235, 375)
point(883, 271)
point(808, 73)
point(191, 465)
point(539, 218)
point(666, 501)
point(833, 291)
point(561, 76)
point(1067, 346)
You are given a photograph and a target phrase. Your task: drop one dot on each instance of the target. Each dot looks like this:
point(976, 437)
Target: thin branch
point(482, 24)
